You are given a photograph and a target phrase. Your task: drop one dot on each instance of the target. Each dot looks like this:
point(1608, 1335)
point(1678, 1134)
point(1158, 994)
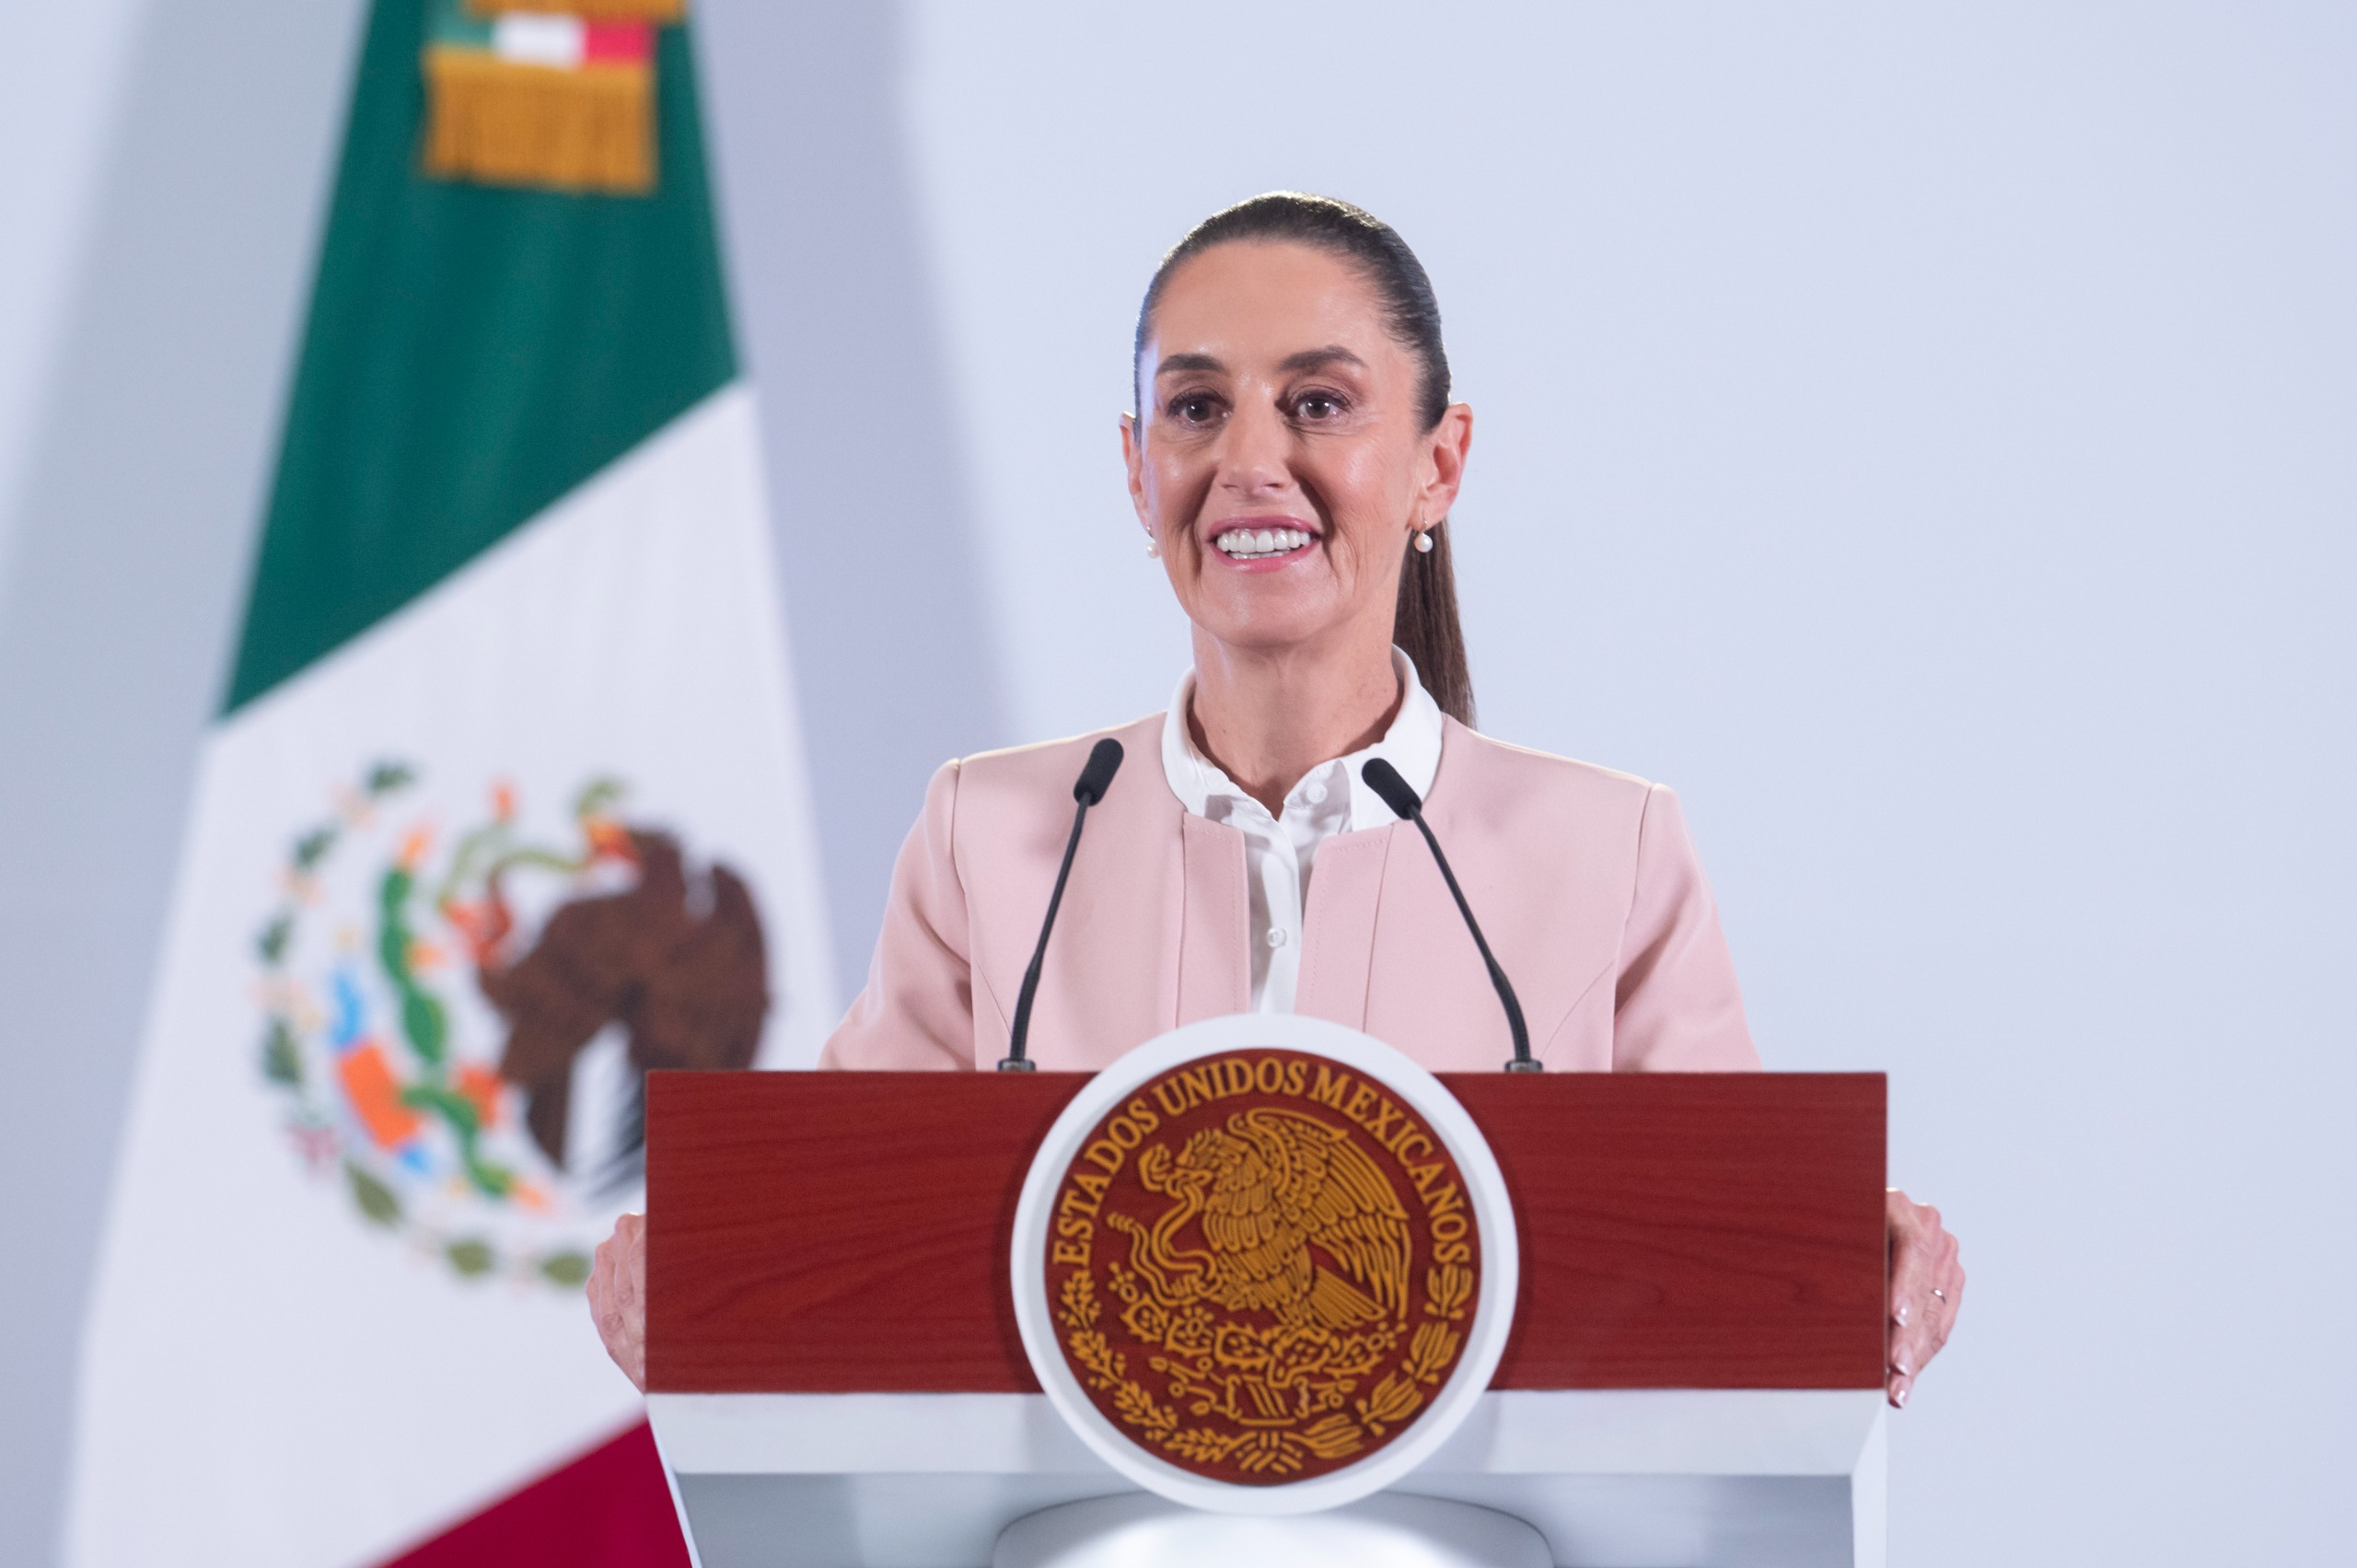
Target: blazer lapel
point(1215, 967)
point(1338, 928)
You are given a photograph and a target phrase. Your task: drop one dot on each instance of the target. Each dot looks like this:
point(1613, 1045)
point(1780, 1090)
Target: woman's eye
point(1198, 408)
point(1317, 407)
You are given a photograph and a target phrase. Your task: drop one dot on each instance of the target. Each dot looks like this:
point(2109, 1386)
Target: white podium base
point(1385, 1531)
point(1651, 1477)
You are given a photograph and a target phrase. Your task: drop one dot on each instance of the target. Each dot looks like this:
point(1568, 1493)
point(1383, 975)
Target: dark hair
point(1427, 623)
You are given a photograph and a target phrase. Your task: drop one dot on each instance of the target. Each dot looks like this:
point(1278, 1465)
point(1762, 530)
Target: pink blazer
point(1585, 882)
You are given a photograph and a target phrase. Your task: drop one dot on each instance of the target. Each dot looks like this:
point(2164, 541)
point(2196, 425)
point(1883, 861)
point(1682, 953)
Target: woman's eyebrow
point(1292, 364)
point(1320, 358)
point(1179, 362)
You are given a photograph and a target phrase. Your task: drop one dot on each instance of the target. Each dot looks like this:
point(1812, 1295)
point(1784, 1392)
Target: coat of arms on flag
point(460, 1020)
point(558, 94)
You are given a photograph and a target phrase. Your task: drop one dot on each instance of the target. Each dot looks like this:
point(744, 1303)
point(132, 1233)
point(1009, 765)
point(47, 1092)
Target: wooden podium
point(1694, 1378)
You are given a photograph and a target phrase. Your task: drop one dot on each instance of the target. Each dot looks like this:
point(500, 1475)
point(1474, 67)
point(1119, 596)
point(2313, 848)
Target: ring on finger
point(1938, 1292)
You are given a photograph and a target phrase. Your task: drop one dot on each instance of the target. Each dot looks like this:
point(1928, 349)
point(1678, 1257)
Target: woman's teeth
point(1259, 544)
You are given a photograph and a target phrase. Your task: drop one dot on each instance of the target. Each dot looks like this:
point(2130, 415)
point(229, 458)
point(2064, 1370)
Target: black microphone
point(1384, 780)
point(1104, 759)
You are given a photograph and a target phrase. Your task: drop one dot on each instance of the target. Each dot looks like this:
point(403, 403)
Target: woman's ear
point(1446, 448)
point(1133, 458)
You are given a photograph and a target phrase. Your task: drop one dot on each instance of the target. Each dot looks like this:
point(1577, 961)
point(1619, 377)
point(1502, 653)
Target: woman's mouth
point(1261, 544)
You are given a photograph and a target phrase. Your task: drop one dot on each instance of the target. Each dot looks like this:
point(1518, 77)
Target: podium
point(1694, 1375)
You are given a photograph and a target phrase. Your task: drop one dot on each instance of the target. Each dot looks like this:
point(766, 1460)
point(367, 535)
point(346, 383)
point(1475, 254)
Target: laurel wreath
point(1448, 1289)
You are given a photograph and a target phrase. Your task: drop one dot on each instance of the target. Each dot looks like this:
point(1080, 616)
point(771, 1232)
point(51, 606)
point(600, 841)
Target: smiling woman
point(1292, 458)
point(1321, 384)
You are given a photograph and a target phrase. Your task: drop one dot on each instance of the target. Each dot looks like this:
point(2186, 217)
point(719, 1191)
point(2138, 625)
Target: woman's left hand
point(618, 1296)
point(1926, 1287)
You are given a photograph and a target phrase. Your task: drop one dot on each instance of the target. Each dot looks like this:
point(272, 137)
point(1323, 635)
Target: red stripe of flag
point(617, 42)
point(610, 1508)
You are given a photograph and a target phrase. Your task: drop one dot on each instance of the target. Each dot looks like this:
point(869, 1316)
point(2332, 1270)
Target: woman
point(1293, 461)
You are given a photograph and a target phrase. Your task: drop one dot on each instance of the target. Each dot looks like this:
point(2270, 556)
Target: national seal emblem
point(1255, 1266)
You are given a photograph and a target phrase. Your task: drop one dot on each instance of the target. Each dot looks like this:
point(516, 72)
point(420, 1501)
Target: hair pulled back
point(1426, 623)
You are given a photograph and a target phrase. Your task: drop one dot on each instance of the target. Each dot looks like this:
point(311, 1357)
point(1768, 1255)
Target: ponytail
point(1427, 628)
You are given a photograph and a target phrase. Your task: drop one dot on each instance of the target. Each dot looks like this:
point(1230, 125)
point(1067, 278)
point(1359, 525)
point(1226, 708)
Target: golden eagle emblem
point(1250, 1279)
point(1266, 1188)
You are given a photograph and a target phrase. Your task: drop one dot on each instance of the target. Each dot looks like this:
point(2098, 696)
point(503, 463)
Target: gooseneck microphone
point(1104, 759)
point(1384, 780)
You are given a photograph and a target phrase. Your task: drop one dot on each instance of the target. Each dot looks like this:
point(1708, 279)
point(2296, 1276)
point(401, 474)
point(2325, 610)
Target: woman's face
point(1276, 456)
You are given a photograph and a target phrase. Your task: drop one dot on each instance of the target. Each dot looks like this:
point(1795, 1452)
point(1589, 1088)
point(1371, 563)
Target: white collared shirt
point(1278, 851)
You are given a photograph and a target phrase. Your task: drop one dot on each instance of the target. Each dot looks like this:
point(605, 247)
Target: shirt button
point(1276, 936)
point(1315, 794)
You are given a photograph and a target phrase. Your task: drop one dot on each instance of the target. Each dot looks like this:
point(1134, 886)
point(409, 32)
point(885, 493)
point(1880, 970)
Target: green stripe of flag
point(473, 354)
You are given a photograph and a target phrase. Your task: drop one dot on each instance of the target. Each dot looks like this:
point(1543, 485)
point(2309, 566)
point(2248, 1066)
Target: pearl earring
point(1423, 542)
point(1153, 548)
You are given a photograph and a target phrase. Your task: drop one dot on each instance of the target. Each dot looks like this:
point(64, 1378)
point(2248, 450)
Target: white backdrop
point(1927, 442)
point(1923, 438)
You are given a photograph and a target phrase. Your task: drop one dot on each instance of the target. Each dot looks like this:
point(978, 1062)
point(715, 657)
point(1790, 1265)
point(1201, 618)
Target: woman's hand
point(1926, 1287)
point(618, 1296)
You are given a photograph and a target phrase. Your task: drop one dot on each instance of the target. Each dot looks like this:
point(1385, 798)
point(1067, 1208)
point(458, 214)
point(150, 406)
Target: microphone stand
point(1384, 780)
point(1104, 759)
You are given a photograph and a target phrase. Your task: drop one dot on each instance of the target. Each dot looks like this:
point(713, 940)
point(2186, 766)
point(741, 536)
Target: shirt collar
point(1410, 745)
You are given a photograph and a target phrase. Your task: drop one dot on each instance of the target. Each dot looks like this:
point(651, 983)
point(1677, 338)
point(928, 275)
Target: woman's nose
point(1255, 450)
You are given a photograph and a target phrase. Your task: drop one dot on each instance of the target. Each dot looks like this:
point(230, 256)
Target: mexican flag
point(504, 807)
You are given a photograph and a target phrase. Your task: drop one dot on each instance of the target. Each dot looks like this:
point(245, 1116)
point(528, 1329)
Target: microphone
point(1384, 780)
point(1104, 759)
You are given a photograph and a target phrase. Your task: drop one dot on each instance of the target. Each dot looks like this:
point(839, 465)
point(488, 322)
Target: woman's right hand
point(618, 1296)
